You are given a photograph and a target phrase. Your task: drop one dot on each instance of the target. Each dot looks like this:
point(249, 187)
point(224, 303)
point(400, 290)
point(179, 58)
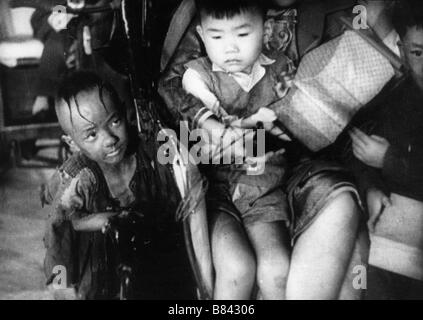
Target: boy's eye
point(417, 53)
point(245, 34)
point(91, 136)
point(116, 122)
point(216, 37)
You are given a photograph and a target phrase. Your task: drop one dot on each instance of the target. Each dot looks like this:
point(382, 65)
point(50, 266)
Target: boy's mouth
point(114, 153)
point(232, 61)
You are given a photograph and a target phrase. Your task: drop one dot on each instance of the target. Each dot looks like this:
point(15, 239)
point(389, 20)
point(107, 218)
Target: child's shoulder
point(77, 164)
point(202, 63)
point(76, 173)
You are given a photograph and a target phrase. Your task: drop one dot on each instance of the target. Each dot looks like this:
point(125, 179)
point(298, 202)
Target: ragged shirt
point(79, 189)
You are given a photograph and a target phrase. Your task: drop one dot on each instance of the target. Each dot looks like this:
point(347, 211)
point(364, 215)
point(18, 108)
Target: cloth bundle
point(332, 83)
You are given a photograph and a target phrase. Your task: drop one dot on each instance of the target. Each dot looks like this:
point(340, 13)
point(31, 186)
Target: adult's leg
point(271, 245)
point(233, 259)
point(322, 253)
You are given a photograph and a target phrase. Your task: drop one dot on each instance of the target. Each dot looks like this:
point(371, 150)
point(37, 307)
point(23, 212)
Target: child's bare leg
point(233, 260)
point(323, 252)
point(271, 244)
point(353, 289)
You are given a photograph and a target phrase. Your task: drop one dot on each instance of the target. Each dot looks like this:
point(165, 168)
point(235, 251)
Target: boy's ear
point(69, 141)
point(200, 32)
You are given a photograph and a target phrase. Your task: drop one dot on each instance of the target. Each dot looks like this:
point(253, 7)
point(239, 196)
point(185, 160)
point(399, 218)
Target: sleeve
point(70, 198)
point(194, 83)
point(182, 105)
point(404, 167)
point(366, 177)
point(73, 196)
point(39, 22)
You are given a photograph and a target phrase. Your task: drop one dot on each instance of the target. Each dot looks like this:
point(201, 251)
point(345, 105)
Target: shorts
point(250, 199)
point(311, 186)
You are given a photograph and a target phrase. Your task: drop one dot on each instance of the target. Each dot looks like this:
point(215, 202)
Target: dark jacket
point(399, 119)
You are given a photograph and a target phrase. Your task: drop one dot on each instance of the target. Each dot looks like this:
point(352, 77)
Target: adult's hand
point(59, 21)
point(370, 150)
point(377, 202)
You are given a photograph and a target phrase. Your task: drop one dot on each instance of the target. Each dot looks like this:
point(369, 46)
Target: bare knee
point(272, 274)
point(236, 269)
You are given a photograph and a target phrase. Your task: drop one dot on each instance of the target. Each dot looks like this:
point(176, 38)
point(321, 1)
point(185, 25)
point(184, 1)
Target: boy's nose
point(110, 140)
point(231, 47)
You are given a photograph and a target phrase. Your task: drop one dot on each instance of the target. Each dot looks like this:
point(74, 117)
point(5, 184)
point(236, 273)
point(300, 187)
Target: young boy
point(236, 82)
point(390, 170)
point(108, 174)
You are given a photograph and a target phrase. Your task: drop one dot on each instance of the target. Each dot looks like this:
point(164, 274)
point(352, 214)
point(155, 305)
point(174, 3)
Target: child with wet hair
point(108, 174)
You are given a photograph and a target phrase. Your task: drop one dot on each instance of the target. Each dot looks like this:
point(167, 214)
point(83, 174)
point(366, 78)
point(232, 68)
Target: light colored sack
point(332, 83)
point(397, 242)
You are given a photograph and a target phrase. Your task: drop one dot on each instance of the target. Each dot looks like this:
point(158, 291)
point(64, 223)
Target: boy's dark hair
point(407, 14)
point(221, 9)
point(84, 81)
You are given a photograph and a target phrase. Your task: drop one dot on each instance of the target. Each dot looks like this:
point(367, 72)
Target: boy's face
point(98, 130)
point(233, 44)
point(412, 53)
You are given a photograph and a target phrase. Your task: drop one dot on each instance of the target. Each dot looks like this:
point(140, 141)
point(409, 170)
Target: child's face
point(412, 53)
point(233, 44)
point(98, 130)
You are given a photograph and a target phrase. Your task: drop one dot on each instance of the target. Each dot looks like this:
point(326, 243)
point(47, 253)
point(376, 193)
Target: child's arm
point(221, 136)
point(194, 84)
point(267, 118)
point(229, 140)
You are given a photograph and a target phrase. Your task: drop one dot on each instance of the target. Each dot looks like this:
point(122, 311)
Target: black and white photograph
point(232, 151)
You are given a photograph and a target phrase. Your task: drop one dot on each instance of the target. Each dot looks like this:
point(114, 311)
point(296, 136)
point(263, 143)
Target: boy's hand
point(93, 222)
point(232, 144)
point(264, 115)
point(377, 201)
point(59, 21)
point(370, 150)
point(276, 131)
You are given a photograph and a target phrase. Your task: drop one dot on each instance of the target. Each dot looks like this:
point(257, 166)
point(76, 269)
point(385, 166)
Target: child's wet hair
point(407, 14)
point(227, 9)
point(83, 81)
